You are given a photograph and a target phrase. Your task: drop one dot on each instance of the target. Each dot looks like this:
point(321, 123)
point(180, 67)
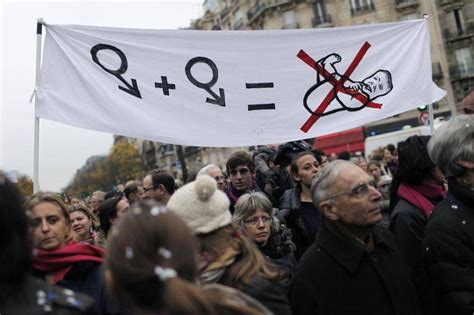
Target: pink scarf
point(421, 195)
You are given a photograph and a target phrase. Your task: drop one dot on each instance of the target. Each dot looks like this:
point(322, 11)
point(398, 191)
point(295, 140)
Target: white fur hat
point(201, 205)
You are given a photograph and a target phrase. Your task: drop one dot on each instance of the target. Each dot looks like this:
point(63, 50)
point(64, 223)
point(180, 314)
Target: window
point(458, 20)
point(289, 19)
point(361, 5)
point(464, 60)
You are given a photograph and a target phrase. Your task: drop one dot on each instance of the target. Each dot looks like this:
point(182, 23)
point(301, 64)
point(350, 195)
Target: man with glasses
point(354, 266)
point(468, 102)
point(241, 170)
point(158, 185)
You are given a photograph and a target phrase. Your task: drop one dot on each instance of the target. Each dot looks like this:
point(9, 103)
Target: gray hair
point(248, 204)
point(452, 142)
point(100, 195)
point(207, 168)
point(321, 188)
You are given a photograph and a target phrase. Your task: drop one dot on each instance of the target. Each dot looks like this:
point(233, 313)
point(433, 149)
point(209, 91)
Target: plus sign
point(165, 86)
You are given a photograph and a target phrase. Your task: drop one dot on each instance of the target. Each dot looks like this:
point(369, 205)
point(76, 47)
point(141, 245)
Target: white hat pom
point(205, 187)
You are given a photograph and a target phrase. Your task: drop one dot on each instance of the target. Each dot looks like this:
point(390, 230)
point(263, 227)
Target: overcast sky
point(63, 149)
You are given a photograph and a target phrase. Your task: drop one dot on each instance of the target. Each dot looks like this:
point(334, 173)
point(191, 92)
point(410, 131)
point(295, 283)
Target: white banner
point(233, 88)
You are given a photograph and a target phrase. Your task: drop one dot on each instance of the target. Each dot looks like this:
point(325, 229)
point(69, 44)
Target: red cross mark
point(338, 85)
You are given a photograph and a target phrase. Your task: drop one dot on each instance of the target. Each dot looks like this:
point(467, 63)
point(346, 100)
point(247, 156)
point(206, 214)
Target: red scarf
point(421, 196)
point(61, 260)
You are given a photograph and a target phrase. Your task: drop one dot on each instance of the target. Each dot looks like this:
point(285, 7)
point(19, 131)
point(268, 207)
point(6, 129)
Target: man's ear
point(329, 210)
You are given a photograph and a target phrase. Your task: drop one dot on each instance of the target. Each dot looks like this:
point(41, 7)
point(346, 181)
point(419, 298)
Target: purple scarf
point(421, 196)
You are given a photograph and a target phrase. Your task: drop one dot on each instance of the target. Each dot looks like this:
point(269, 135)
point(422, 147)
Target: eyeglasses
point(242, 171)
point(147, 189)
point(256, 220)
point(219, 178)
point(359, 190)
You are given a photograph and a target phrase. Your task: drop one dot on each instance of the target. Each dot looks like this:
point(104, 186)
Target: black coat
point(35, 297)
point(270, 294)
point(86, 278)
point(448, 255)
point(337, 277)
point(408, 224)
point(290, 204)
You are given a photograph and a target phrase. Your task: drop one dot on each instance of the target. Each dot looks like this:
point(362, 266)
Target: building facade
point(451, 30)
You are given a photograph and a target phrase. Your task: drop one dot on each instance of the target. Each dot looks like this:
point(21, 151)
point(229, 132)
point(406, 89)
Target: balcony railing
point(256, 11)
point(321, 20)
point(362, 9)
point(291, 26)
point(239, 24)
point(463, 71)
point(405, 2)
point(454, 34)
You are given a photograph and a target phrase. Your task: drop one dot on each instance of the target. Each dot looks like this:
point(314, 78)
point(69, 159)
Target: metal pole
point(430, 110)
point(39, 31)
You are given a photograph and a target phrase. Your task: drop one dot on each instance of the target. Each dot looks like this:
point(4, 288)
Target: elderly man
point(448, 255)
point(353, 267)
point(215, 172)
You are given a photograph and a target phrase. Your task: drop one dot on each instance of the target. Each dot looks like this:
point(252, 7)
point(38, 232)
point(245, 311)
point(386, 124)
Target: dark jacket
point(448, 254)
point(408, 224)
point(270, 294)
point(290, 205)
point(37, 297)
point(86, 278)
point(337, 277)
point(279, 249)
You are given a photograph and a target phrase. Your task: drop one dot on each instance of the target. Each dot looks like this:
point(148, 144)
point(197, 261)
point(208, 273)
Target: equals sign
point(263, 85)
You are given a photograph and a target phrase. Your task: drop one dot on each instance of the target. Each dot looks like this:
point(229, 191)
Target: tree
point(25, 185)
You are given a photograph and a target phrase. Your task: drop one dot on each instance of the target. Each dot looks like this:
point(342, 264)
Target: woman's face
point(374, 171)
point(81, 225)
point(308, 167)
point(257, 227)
point(50, 229)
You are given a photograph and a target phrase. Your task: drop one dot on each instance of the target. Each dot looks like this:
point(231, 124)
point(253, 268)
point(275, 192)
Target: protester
point(468, 102)
point(151, 267)
point(353, 267)
point(241, 170)
point(226, 256)
point(361, 162)
point(267, 176)
point(96, 199)
point(83, 223)
point(320, 157)
point(296, 206)
point(383, 186)
point(133, 191)
point(448, 246)
point(20, 292)
point(158, 185)
point(420, 189)
point(75, 266)
point(215, 172)
point(283, 158)
point(390, 161)
point(110, 211)
point(374, 168)
point(254, 214)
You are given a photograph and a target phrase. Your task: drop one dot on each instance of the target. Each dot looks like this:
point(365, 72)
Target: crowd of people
point(287, 230)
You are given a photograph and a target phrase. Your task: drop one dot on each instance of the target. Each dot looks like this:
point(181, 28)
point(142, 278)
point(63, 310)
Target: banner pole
point(39, 31)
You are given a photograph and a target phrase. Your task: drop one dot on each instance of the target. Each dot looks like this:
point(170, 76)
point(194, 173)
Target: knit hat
point(201, 205)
